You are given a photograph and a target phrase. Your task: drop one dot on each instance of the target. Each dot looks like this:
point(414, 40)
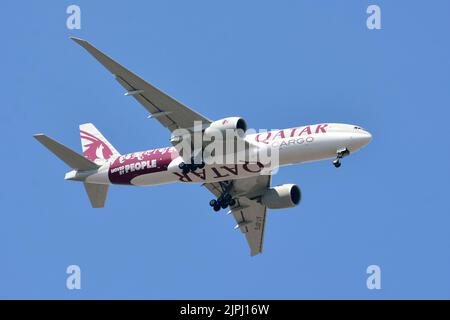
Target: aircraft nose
point(368, 137)
point(360, 139)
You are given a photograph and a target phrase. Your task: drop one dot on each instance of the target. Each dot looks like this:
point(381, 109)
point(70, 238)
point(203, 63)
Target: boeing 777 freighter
point(243, 186)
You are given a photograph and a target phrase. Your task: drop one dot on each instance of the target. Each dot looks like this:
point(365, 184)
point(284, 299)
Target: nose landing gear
point(340, 153)
point(337, 162)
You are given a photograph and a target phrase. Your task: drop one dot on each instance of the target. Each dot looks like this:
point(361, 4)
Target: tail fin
point(70, 157)
point(95, 146)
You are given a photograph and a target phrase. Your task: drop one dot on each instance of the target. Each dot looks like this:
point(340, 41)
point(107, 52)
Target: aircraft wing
point(169, 112)
point(248, 212)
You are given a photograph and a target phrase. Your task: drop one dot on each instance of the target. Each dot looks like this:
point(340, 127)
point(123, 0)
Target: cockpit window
point(358, 128)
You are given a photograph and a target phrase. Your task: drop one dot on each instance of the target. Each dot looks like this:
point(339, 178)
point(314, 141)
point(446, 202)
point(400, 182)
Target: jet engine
point(284, 196)
point(232, 125)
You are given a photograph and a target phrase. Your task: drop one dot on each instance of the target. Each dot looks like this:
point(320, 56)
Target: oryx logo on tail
point(95, 147)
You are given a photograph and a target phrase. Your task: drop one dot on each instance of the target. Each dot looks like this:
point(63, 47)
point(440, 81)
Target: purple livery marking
point(127, 167)
point(96, 149)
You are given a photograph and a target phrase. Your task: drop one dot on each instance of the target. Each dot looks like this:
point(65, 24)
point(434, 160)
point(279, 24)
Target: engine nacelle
point(218, 129)
point(284, 196)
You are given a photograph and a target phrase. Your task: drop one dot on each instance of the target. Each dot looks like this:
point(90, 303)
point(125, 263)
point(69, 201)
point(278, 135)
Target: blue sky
point(276, 63)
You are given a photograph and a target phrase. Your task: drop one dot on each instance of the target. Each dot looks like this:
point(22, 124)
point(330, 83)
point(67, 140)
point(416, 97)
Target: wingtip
point(76, 39)
point(40, 137)
point(255, 253)
point(80, 41)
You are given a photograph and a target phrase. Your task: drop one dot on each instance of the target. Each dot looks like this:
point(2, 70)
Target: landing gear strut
point(225, 199)
point(340, 153)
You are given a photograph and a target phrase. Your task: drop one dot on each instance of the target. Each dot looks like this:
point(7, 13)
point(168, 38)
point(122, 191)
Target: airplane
point(243, 186)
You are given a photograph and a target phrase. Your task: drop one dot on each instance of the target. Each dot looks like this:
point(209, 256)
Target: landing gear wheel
point(213, 202)
point(216, 207)
point(337, 163)
point(186, 168)
point(340, 153)
point(201, 165)
point(224, 204)
point(232, 202)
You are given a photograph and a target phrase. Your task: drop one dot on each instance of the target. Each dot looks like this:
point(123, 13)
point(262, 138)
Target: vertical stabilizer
point(95, 146)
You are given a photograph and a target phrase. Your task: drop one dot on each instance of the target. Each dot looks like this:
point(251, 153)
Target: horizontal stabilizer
point(70, 157)
point(97, 194)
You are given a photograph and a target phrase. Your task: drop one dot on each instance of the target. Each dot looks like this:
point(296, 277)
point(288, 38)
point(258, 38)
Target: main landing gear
point(222, 202)
point(225, 199)
point(340, 153)
point(190, 167)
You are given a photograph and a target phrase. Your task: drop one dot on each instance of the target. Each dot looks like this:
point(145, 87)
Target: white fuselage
point(292, 145)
